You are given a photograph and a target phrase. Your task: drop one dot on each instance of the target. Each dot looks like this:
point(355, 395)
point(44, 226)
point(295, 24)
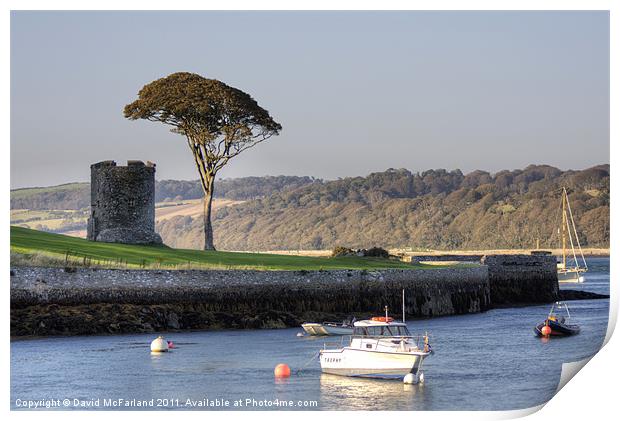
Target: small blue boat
point(557, 324)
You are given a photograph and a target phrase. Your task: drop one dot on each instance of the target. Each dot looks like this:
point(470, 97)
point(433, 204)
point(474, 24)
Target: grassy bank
point(32, 247)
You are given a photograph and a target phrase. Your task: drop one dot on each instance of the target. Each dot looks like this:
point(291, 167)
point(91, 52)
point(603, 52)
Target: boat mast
point(403, 305)
point(572, 220)
point(564, 221)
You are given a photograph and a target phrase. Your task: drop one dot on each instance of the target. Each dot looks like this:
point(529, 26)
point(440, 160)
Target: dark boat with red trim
point(556, 323)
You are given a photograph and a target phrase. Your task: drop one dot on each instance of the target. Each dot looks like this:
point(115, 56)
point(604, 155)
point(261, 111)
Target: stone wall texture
point(54, 301)
point(522, 278)
point(57, 301)
point(122, 203)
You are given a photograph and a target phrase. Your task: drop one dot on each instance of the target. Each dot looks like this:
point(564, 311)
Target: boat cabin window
point(402, 331)
point(360, 331)
point(381, 331)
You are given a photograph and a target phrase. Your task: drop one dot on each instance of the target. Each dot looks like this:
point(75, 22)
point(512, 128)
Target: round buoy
point(300, 334)
point(546, 330)
point(159, 345)
point(282, 370)
point(171, 345)
point(409, 379)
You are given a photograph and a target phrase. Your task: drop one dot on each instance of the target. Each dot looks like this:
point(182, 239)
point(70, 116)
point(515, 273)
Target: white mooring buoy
point(414, 378)
point(159, 345)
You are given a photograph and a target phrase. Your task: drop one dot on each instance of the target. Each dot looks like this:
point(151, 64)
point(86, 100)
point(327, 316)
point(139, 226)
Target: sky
point(355, 92)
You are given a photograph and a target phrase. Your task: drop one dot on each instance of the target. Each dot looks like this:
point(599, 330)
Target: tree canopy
point(223, 121)
point(218, 121)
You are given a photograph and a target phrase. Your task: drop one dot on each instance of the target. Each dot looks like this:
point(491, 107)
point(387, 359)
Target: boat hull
point(319, 329)
point(557, 329)
point(354, 362)
point(314, 329)
point(571, 276)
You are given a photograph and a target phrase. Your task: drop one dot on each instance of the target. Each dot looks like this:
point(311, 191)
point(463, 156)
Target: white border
point(590, 395)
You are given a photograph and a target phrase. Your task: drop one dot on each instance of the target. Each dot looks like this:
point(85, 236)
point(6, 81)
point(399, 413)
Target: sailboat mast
point(564, 221)
point(403, 305)
point(574, 230)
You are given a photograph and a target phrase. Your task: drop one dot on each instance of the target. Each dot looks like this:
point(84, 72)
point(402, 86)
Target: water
point(488, 361)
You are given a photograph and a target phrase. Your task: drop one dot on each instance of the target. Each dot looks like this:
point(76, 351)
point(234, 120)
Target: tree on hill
point(218, 121)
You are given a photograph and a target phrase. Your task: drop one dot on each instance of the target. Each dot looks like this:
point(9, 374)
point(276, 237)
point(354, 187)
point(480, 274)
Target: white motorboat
point(378, 348)
point(328, 328)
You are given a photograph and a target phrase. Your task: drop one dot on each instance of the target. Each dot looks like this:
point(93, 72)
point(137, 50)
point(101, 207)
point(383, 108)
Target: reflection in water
point(367, 394)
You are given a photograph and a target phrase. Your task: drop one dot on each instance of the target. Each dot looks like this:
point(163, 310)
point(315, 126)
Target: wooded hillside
point(397, 208)
point(435, 209)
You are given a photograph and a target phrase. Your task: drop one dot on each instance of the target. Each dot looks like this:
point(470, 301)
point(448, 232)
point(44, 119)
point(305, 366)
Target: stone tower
point(122, 203)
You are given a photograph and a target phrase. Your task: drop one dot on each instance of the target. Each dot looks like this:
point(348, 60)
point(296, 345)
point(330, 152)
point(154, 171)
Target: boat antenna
point(386, 313)
point(403, 305)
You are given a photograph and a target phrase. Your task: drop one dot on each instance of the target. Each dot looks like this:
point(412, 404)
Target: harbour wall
point(57, 301)
point(522, 278)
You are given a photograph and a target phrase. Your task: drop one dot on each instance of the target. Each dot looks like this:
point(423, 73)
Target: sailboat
point(569, 270)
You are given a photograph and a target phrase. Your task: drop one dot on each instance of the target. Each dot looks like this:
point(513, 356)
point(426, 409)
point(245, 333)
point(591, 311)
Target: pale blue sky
point(355, 92)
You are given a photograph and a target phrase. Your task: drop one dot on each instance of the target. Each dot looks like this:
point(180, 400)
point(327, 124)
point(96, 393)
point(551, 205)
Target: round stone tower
point(122, 203)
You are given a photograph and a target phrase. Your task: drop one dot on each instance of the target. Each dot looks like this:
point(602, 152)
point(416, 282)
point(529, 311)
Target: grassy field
point(30, 245)
point(190, 207)
point(56, 220)
point(26, 192)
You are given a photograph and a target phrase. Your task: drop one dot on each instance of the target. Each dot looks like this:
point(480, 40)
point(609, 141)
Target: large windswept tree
point(218, 121)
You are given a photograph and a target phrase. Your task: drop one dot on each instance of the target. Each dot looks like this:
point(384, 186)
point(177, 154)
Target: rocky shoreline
point(110, 319)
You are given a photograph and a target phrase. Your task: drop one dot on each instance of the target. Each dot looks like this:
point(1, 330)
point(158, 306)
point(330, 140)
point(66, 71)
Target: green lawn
point(30, 242)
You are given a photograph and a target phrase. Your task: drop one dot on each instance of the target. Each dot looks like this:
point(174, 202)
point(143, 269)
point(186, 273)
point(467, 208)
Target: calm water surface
point(487, 361)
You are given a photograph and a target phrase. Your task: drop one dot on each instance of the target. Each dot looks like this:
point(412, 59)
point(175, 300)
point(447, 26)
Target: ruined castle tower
point(122, 203)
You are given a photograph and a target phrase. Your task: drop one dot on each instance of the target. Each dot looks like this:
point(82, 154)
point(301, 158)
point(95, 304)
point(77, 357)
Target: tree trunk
point(208, 199)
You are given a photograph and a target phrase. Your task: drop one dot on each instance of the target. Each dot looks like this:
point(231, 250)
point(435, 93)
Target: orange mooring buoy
point(546, 330)
point(282, 370)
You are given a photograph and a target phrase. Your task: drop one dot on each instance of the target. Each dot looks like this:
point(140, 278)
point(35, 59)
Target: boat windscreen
point(402, 331)
point(360, 331)
point(382, 331)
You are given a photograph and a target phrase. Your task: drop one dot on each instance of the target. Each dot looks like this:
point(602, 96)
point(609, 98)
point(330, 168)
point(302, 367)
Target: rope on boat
point(315, 355)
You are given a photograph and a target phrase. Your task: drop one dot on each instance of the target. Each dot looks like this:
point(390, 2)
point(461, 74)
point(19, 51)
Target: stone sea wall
point(522, 279)
point(57, 301)
point(54, 301)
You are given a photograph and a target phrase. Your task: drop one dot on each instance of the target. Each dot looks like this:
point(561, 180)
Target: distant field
point(30, 191)
point(58, 220)
point(193, 208)
point(26, 242)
